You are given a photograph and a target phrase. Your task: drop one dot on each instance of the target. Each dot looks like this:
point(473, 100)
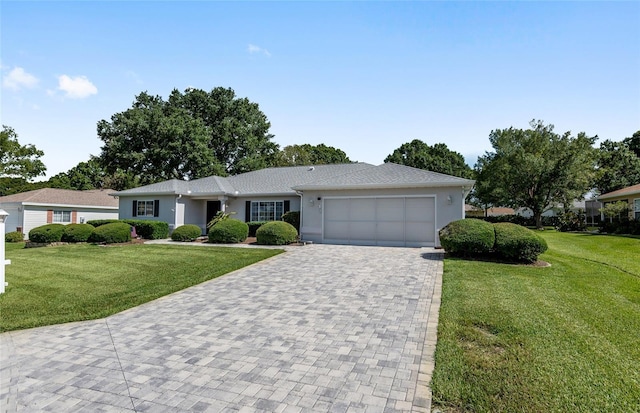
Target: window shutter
point(134, 212)
point(247, 211)
point(287, 206)
point(156, 207)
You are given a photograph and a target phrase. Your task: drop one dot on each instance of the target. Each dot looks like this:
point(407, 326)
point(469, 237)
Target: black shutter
point(156, 207)
point(287, 206)
point(247, 211)
point(134, 213)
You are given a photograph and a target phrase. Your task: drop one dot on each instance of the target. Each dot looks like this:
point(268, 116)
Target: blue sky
point(364, 77)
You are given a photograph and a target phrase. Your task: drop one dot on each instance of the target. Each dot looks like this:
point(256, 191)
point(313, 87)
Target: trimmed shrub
point(77, 232)
point(228, 231)
point(186, 233)
point(293, 218)
point(518, 243)
point(46, 234)
point(149, 229)
point(467, 237)
point(99, 222)
point(15, 236)
point(276, 233)
point(253, 227)
point(115, 232)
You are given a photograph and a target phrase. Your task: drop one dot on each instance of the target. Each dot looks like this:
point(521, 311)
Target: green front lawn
point(529, 339)
point(82, 282)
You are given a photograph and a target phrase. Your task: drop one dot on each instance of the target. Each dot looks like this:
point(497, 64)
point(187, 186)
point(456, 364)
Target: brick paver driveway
point(319, 328)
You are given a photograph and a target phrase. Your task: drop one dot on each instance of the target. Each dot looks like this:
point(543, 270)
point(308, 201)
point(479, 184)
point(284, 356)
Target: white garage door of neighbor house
point(388, 221)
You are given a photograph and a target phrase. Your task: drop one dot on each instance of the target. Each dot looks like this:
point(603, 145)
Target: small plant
point(15, 236)
point(228, 231)
point(219, 217)
point(293, 218)
point(619, 209)
point(113, 233)
point(276, 233)
point(77, 232)
point(466, 237)
point(46, 234)
point(186, 233)
point(518, 243)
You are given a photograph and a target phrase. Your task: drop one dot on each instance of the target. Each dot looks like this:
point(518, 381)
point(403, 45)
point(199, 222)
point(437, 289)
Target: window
point(62, 216)
point(636, 208)
point(146, 208)
point(267, 210)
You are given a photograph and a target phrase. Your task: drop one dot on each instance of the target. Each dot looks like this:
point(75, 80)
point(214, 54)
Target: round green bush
point(186, 233)
point(467, 237)
point(254, 225)
point(276, 233)
point(518, 243)
point(15, 236)
point(293, 218)
point(113, 233)
point(46, 234)
point(77, 232)
point(228, 231)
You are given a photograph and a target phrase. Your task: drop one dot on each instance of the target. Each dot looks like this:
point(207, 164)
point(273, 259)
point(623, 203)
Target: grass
point(530, 339)
point(83, 282)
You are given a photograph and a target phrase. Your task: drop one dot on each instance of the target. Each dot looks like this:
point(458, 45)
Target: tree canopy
point(18, 160)
point(436, 158)
point(191, 135)
point(618, 166)
point(535, 168)
point(306, 154)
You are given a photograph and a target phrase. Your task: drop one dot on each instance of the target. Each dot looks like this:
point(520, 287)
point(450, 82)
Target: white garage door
point(393, 221)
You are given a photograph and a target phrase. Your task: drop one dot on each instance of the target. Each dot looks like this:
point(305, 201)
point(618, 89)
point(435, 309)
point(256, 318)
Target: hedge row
point(472, 237)
point(253, 227)
point(144, 228)
point(109, 233)
point(15, 236)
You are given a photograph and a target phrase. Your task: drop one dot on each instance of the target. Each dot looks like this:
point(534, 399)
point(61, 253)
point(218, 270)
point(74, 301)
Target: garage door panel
point(336, 209)
point(390, 231)
point(362, 210)
point(389, 209)
point(393, 221)
point(420, 209)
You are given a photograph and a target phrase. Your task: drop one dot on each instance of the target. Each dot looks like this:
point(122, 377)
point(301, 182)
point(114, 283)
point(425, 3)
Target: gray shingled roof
point(286, 180)
point(387, 175)
point(281, 180)
point(55, 196)
point(170, 187)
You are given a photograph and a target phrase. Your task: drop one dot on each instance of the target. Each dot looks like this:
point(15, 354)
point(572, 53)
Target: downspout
point(300, 194)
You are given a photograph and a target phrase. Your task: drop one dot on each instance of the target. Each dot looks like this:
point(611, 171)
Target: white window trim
point(60, 215)
point(274, 201)
point(146, 208)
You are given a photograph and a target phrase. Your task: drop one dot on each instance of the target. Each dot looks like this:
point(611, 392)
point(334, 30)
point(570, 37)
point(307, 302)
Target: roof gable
point(55, 196)
point(630, 190)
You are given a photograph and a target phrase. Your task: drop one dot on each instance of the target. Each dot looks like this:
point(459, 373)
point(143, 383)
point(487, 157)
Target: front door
point(213, 207)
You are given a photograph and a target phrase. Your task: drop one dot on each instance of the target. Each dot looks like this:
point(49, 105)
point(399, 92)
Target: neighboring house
point(354, 203)
point(630, 195)
point(474, 211)
point(31, 209)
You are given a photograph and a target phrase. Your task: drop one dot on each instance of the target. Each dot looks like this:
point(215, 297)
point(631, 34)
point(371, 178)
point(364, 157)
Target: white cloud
point(18, 78)
point(257, 49)
point(78, 87)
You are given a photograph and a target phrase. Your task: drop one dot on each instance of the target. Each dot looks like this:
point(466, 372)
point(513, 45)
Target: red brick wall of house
point(49, 216)
point(74, 217)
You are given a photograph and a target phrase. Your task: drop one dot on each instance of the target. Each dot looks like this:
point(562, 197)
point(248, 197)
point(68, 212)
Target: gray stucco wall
point(167, 211)
point(237, 205)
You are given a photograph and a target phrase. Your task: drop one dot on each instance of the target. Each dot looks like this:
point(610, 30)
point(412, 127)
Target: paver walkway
point(319, 328)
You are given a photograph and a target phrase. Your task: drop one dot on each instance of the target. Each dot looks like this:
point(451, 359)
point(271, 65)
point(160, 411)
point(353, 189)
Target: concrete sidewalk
point(319, 328)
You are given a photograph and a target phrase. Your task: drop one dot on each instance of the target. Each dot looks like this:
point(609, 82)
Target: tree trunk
point(537, 215)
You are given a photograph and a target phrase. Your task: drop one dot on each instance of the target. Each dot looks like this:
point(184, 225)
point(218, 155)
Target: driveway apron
point(319, 328)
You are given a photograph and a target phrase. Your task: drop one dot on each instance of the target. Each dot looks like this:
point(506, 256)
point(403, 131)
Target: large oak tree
point(535, 168)
point(436, 158)
point(190, 135)
point(16, 160)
